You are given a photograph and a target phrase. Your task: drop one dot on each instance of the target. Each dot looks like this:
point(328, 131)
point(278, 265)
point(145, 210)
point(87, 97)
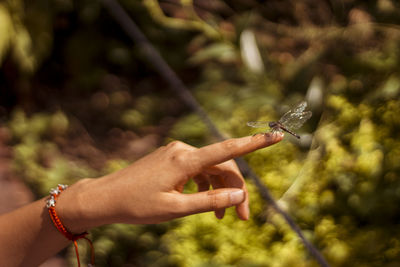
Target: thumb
point(211, 200)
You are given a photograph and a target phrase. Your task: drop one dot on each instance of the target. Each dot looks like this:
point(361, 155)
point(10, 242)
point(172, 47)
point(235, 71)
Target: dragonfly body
point(277, 126)
point(293, 119)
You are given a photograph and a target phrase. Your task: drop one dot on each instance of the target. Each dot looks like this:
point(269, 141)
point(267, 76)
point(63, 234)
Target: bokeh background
point(79, 99)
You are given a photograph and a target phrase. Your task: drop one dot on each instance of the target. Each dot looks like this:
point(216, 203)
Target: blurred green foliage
point(81, 101)
point(38, 160)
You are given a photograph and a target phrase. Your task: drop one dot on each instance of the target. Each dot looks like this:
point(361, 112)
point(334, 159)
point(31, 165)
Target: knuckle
point(179, 145)
point(176, 207)
point(179, 157)
point(176, 144)
point(183, 160)
point(212, 200)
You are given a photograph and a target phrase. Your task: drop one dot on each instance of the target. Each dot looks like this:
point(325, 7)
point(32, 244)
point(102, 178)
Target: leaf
point(222, 52)
point(22, 49)
point(6, 31)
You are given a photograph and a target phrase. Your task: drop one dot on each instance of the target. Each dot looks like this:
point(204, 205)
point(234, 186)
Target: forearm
point(28, 236)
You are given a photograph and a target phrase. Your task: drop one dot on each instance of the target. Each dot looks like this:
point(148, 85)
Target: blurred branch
point(194, 23)
point(329, 33)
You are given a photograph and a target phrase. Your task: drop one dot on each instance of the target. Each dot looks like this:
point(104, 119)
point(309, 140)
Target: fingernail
point(247, 213)
point(236, 197)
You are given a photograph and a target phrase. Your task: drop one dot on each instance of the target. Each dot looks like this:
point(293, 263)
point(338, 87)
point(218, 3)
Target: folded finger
point(217, 182)
point(211, 200)
point(203, 182)
point(227, 175)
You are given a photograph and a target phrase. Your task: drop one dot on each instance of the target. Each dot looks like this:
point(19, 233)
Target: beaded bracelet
point(51, 205)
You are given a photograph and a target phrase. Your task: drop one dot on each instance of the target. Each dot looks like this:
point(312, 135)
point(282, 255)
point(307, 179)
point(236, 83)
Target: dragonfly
point(291, 120)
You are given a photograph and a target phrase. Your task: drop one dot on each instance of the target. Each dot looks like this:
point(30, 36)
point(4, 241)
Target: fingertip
point(267, 139)
point(243, 211)
point(246, 214)
point(220, 213)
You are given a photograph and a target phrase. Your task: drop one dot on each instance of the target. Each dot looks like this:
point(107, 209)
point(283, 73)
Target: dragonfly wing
point(293, 112)
point(258, 124)
point(300, 107)
point(296, 120)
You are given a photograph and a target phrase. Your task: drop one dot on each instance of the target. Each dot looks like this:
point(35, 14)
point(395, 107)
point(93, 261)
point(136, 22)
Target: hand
point(150, 189)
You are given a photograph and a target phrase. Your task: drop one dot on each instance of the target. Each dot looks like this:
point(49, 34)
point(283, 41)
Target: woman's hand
point(150, 189)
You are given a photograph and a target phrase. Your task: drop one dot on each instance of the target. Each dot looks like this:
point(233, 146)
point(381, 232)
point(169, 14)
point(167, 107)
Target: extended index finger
point(219, 152)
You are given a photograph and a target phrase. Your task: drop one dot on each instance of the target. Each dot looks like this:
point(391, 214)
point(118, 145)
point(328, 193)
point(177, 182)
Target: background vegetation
point(80, 101)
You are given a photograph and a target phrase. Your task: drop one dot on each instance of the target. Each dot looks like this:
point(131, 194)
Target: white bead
point(63, 186)
point(51, 202)
point(54, 191)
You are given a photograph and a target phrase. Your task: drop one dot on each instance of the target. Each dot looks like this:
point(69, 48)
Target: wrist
point(71, 207)
point(74, 225)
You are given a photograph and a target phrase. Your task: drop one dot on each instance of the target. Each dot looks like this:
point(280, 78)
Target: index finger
point(220, 152)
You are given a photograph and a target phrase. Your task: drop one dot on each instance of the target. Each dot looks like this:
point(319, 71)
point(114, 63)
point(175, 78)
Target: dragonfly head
point(272, 124)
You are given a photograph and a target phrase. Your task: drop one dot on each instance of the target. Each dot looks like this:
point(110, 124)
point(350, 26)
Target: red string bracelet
point(51, 205)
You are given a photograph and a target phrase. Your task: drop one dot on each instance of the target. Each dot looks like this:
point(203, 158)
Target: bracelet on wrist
point(51, 206)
